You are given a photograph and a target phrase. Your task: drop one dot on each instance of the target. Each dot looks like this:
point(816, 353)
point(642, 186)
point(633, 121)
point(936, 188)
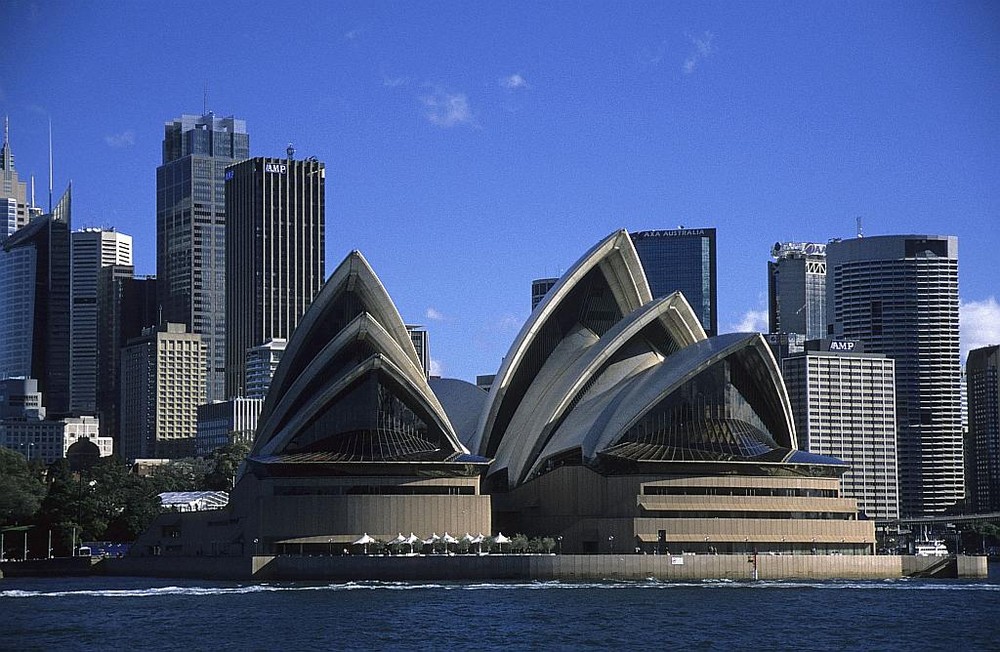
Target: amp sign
point(276, 168)
point(842, 345)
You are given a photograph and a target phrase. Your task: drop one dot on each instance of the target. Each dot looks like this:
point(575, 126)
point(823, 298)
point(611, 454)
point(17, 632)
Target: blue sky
point(472, 147)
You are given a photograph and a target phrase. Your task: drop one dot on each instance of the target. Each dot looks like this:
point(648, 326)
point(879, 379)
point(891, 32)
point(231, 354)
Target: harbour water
point(108, 613)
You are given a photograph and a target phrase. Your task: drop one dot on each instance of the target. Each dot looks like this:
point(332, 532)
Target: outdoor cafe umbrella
point(431, 540)
point(400, 539)
point(413, 538)
point(448, 540)
point(364, 541)
point(500, 539)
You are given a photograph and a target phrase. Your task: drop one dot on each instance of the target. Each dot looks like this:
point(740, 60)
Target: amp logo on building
point(839, 345)
point(278, 168)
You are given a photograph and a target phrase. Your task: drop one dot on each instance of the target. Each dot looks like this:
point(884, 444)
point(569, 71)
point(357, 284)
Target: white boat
point(930, 548)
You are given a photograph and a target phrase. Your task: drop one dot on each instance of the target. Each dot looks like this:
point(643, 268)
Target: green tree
point(184, 474)
point(225, 463)
point(21, 491)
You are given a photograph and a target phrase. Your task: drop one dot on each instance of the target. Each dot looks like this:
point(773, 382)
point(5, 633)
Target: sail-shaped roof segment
point(351, 289)
point(718, 398)
point(641, 339)
point(349, 387)
point(606, 284)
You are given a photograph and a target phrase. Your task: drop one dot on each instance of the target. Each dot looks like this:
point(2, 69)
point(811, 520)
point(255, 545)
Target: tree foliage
point(21, 490)
point(103, 503)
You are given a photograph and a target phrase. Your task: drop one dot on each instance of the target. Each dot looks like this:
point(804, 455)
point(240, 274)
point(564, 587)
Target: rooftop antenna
point(204, 104)
point(6, 130)
point(861, 231)
point(290, 151)
point(50, 165)
point(32, 191)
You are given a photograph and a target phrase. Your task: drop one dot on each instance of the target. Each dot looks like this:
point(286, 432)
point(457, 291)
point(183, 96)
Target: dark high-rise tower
point(190, 229)
point(35, 305)
point(983, 456)
point(796, 289)
point(682, 259)
point(275, 235)
point(899, 295)
point(125, 305)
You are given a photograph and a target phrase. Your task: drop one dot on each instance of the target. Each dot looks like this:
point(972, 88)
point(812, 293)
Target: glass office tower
point(796, 289)
point(191, 229)
point(899, 295)
point(275, 234)
point(35, 306)
point(682, 259)
point(983, 456)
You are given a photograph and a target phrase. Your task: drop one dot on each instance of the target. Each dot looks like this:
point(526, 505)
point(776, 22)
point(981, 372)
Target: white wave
point(647, 584)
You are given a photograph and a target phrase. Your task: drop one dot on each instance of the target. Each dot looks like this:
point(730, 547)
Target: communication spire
point(50, 165)
point(861, 231)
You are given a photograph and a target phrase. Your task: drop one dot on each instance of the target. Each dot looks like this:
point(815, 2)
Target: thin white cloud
point(395, 82)
point(118, 141)
point(980, 324)
point(513, 82)
point(509, 323)
point(703, 48)
point(352, 34)
point(437, 369)
point(447, 109)
point(433, 314)
point(753, 321)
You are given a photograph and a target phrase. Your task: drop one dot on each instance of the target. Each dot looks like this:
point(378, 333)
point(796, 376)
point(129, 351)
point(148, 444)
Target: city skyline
point(471, 150)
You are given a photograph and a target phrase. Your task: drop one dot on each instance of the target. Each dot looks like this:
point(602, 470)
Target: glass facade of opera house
point(613, 424)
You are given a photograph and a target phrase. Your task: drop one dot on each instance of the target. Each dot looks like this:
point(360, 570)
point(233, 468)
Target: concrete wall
point(536, 567)
point(210, 568)
point(594, 567)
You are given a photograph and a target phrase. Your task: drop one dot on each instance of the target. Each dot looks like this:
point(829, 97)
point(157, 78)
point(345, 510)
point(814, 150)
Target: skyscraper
point(275, 234)
point(899, 296)
point(125, 305)
point(983, 374)
point(682, 259)
point(163, 383)
point(796, 289)
point(843, 402)
point(191, 225)
point(91, 250)
point(14, 206)
point(35, 301)
point(539, 288)
point(262, 362)
point(421, 342)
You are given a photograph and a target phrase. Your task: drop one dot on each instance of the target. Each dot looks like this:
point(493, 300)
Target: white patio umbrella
point(413, 538)
point(500, 539)
point(364, 541)
point(432, 539)
point(400, 539)
point(478, 540)
point(448, 540)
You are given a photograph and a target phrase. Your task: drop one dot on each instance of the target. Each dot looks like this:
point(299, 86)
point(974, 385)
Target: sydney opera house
point(613, 425)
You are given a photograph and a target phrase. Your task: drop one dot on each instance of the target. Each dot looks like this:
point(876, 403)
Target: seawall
point(546, 567)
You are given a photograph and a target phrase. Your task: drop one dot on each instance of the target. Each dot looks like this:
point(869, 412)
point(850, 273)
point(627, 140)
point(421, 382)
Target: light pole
point(611, 543)
point(559, 543)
